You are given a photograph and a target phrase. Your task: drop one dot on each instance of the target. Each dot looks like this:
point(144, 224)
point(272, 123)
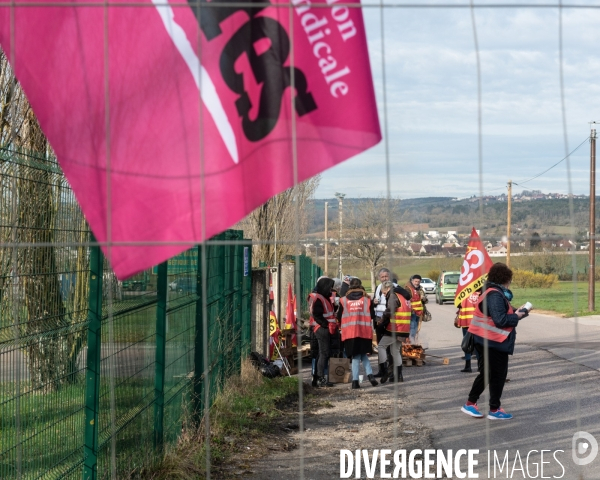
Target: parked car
point(446, 287)
point(184, 285)
point(137, 283)
point(428, 285)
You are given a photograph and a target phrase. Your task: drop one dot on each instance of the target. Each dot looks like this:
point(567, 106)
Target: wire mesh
point(206, 328)
point(44, 335)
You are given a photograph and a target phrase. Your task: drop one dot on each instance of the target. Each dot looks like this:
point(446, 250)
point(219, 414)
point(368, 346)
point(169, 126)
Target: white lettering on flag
point(208, 92)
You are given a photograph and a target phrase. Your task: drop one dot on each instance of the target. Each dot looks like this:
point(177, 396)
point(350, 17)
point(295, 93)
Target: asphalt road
point(553, 392)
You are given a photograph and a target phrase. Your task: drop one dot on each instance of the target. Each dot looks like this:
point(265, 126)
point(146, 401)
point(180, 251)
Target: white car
point(428, 285)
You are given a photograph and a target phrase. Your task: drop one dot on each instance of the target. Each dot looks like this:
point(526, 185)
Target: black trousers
point(497, 370)
point(324, 341)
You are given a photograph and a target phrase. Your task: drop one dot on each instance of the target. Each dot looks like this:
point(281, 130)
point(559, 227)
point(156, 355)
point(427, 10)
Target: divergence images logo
point(582, 441)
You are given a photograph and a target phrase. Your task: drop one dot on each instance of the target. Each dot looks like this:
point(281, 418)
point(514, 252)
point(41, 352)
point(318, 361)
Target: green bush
point(528, 279)
point(433, 274)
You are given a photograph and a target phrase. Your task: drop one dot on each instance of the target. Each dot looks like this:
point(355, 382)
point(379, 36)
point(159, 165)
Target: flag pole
point(283, 360)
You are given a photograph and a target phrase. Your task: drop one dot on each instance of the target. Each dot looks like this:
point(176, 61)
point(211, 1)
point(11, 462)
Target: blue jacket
point(497, 308)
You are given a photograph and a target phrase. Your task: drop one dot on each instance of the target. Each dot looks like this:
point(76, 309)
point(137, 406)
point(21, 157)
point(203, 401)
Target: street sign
point(184, 263)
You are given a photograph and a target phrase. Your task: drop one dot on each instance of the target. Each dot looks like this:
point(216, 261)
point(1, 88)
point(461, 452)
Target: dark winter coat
point(323, 288)
point(496, 306)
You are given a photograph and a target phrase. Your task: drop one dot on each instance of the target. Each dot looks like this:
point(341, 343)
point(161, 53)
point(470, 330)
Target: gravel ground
point(340, 418)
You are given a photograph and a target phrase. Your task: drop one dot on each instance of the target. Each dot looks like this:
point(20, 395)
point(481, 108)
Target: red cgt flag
point(290, 313)
point(161, 113)
point(475, 267)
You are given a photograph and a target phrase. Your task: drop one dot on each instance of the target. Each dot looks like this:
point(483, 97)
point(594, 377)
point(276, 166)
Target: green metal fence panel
point(307, 277)
point(82, 354)
point(43, 320)
point(180, 347)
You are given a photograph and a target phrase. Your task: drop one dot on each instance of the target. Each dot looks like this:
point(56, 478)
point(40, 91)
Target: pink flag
point(173, 124)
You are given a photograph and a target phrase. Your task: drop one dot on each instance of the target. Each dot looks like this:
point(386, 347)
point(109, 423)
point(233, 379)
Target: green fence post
point(92, 374)
point(224, 306)
point(238, 278)
point(198, 404)
point(160, 360)
point(247, 301)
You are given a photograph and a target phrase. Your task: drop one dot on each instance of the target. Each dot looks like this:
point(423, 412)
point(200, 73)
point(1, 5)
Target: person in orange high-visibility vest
point(417, 299)
point(463, 318)
point(493, 328)
point(396, 325)
point(321, 316)
point(356, 314)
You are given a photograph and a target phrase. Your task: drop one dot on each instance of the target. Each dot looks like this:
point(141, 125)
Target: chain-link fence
point(97, 374)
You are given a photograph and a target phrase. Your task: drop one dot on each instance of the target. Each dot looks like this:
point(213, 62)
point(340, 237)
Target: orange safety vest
point(485, 327)
point(356, 319)
point(400, 321)
point(415, 300)
point(328, 314)
point(467, 309)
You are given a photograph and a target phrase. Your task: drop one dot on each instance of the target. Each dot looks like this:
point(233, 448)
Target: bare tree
point(32, 195)
point(285, 213)
point(371, 232)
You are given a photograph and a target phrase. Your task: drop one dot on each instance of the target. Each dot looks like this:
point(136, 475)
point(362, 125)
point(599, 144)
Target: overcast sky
point(432, 101)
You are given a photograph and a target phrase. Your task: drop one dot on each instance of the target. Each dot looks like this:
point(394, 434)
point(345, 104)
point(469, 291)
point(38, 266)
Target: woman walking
point(493, 327)
point(356, 313)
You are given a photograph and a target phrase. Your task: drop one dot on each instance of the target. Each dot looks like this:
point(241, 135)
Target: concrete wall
point(283, 274)
point(260, 311)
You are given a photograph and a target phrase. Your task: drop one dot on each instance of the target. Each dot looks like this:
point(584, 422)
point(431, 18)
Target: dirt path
point(340, 418)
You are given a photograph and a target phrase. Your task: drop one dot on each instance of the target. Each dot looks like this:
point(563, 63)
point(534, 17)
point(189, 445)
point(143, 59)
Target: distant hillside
point(549, 217)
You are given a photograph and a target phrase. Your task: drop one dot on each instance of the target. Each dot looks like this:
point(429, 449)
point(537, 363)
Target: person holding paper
point(493, 326)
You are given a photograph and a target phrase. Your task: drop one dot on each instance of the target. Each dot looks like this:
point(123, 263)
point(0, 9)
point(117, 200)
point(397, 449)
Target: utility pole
point(592, 271)
point(508, 223)
point(340, 197)
point(326, 240)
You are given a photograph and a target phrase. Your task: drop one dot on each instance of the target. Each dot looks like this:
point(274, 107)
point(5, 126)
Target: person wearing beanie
point(321, 316)
point(356, 314)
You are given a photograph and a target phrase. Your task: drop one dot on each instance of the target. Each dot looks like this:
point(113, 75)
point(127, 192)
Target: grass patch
point(404, 268)
point(247, 418)
point(559, 299)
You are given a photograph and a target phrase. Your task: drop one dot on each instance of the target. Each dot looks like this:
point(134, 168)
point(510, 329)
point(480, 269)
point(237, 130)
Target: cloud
point(432, 104)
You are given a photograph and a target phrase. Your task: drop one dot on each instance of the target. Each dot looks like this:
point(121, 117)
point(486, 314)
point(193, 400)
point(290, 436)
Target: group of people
point(344, 309)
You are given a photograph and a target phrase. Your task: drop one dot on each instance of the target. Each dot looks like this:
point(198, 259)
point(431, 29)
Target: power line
point(557, 163)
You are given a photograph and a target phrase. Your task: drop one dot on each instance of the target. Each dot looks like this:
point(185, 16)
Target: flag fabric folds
point(274, 333)
point(290, 313)
point(474, 270)
point(172, 122)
